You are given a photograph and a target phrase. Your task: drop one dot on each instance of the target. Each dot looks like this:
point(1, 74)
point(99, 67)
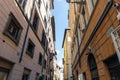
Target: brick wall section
point(103, 44)
point(10, 51)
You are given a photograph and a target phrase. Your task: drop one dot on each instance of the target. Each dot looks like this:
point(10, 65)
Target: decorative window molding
point(13, 29)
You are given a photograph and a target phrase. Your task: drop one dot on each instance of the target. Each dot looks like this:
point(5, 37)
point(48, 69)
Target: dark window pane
point(45, 22)
point(20, 1)
point(93, 67)
point(25, 77)
point(40, 59)
point(30, 48)
point(35, 21)
point(24, 4)
point(13, 30)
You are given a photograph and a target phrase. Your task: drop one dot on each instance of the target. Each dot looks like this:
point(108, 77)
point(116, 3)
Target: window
point(40, 59)
point(114, 67)
point(30, 48)
point(45, 22)
point(22, 3)
point(13, 29)
point(3, 73)
point(26, 74)
point(93, 67)
point(43, 38)
point(35, 21)
point(44, 64)
point(39, 2)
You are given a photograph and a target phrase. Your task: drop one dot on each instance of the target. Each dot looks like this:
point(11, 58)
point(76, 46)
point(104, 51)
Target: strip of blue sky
point(61, 22)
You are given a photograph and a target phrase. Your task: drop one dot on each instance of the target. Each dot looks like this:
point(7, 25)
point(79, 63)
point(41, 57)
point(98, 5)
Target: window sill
point(30, 54)
point(16, 41)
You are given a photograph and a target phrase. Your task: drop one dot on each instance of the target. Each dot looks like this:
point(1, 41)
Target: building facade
point(67, 55)
point(95, 38)
point(24, 43)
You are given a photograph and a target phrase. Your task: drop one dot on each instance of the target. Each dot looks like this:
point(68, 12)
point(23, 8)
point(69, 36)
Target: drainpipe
point(26, 34)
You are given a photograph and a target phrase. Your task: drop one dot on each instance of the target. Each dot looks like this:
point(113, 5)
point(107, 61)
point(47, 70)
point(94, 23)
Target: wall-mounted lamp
point(77, 2)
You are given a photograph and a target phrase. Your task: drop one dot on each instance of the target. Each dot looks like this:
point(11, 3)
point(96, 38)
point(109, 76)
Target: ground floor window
point(114, 67)
point(3, 73)
point(93, 67)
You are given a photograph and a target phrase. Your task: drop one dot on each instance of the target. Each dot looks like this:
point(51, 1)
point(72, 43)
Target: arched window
point(93, 67)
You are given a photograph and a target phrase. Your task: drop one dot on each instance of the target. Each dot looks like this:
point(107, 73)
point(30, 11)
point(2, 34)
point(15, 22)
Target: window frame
point(31, 54)
point(6, 32)
point(37, 23)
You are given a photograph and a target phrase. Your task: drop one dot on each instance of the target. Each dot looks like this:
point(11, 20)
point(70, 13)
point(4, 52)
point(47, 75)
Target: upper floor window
point(30, 48)
point(22, 3)
point(39, 2)
point(45, 22)
point(26, 74)
point(44, 64)
point(43, 38)
point(40, 59)
point(35, 21)
point(13, 29)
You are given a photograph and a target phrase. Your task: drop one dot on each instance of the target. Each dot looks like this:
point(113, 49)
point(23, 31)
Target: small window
point(40, 59)
point(39, 1)
point(44, 64)
point(35, 21)
point(30, 48)
point(43, 38)
point(13, 29)
point(45, 22)
point(26, 74)
point(3, 73)
point(22, 3)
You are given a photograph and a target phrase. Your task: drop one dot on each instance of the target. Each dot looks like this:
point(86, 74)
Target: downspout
point(26, 34)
